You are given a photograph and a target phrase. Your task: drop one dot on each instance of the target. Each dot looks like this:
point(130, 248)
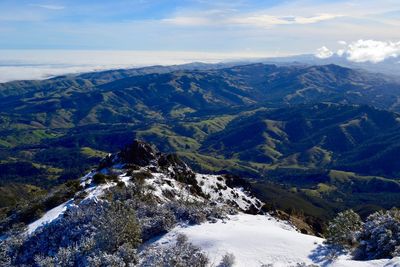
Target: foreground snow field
point(256, 240)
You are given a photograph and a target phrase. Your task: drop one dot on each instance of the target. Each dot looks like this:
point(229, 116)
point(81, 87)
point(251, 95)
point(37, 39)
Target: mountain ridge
point(57, 132)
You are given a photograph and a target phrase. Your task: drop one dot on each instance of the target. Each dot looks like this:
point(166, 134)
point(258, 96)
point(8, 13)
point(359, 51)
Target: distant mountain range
point(315, 134)
point(389, 66)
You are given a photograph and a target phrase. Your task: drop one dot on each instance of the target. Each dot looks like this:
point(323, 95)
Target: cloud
point(188, 21)
point(340, 52)
point(257, 20)
point(268, 20)
point(363, 51)
point(323, 53)
point(372, 51)
point(42, 64)
point(50, 7)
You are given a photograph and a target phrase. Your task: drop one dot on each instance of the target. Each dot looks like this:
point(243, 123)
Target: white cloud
point(363, 51)
point(268, 20)
point(340, 52)
point(42, 64)
point(257, 20)
point(372, 51)
point(188, 21)
point(50, 7)
point(323, 53)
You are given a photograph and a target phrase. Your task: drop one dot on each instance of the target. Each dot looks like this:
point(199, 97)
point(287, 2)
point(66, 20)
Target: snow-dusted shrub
point(228, 260)
point(155, 220)
point(343, 229)
point(7, 248)
point(141, 176)
point(117, 226)
point(125, 256)
point(195, 212)
point(83, 233)
point(99, 178)
point(380, 237)
point(180, 254)
point(81, 195)
point(190, 212)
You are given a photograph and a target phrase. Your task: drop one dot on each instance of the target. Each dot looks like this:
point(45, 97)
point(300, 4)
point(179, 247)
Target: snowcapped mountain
point(166, 177)
point(144, 208)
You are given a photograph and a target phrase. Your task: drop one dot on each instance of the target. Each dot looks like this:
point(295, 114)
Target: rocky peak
point(170, 177)
point(138, 153)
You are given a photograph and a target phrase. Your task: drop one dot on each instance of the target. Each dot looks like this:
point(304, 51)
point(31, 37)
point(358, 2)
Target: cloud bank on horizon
point(363, 51)
point(42, 64)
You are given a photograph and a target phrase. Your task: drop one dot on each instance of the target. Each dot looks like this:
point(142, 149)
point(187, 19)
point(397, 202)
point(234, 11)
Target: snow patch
point(215, 187)
point(260, 239)
point(49, 216)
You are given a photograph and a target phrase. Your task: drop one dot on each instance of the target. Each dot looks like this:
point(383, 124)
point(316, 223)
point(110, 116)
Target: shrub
point(343, 229)
point(91, 231)
point(99, 178)
point(183, 253)
point(120, 184)
point(81, 195)
point(118, 226)
point(141, 176)
point(228, 260)
point(380, 237)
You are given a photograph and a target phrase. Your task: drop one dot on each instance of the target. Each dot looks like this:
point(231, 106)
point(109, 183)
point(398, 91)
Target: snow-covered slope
point(255, 240)
point(49, 216)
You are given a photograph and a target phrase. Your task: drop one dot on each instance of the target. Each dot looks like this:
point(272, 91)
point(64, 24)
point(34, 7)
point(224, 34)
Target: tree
point(118, 226)
point(380, 237)
point(343, 229)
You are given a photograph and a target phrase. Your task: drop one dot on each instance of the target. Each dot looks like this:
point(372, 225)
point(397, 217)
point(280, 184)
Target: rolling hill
point(293, 128)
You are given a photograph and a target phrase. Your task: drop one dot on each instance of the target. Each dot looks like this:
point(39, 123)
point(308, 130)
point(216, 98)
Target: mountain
point(140, 207)
point(161, 188)
point(389, 66)
point(313, 134)
point(320, 135)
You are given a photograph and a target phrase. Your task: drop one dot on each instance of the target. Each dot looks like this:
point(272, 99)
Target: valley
point(319, 134)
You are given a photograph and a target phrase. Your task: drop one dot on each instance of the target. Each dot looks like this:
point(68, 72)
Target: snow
point(96, 191)
point(260, 239)
point(49, 216)
point(162, 183)
point(86, 180)
point(93, 192)
point(215, 187)
point(253, 239)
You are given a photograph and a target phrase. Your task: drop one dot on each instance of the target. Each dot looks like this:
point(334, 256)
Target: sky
point(198, 29)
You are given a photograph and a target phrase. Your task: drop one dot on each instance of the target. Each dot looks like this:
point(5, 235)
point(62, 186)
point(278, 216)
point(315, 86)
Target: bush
point(380, 236)
point(228, 260)
point(118, 226)
point(141, 176)
point(343, 229)
point(92, 232)
point(182, 254)
point(81, 195)
point(99, 178)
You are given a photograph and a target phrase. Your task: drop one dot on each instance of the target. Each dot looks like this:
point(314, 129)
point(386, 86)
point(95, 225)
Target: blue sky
point(269, 28)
